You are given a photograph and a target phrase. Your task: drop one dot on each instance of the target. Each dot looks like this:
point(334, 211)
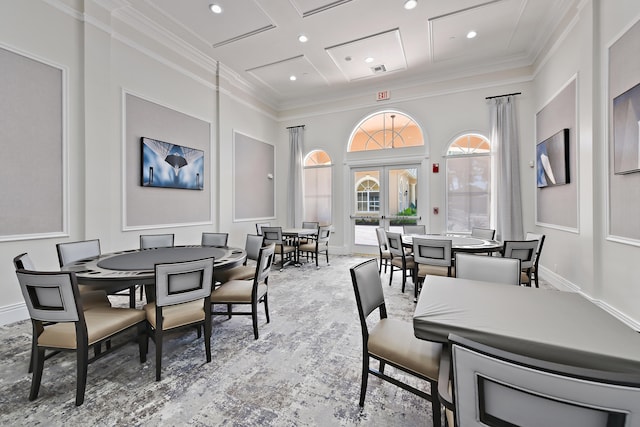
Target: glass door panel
point(367, 215)
point(403, 197)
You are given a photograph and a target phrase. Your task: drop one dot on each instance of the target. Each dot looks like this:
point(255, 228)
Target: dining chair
point(149, 241)
point(62, 321)
point(383, 248)
point(70, 252)
point(246, 271)
point(274, 235)
point(308, 225)
point(319, 245)
point(215, 239)
point(247, 292)
point(525, 250)
point(182, 299)
point(490, 386)
point(420, 229)
point(431, 257)
point(23, 262)
point(534, 270)
point(259, 227)
point(488, 269)
point(483, 233)
point(400, 260)
point(392, 341)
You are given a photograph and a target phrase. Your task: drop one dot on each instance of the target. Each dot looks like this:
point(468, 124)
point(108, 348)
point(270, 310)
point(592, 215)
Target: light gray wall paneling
point(147, 207)
point(624, 190)
point(558, 205)
point(253, 178)
point(31, 134)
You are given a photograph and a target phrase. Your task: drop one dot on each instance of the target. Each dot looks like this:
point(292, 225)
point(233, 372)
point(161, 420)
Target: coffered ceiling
point(354, 45)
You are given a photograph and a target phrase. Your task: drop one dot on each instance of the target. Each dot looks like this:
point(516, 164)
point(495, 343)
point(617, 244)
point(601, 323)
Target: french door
point(382, 196)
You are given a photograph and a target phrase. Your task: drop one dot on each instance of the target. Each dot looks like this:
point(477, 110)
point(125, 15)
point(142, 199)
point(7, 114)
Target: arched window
point(317, 187)
point(469, 174)
point(385, 130)
point(368, 192)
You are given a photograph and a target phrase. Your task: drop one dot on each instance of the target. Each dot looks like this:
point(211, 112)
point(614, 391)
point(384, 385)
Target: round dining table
point(121, 270)
point(459, 243)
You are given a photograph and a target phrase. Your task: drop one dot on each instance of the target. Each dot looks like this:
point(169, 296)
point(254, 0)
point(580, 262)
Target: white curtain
point(504, 136)
point(295, 209)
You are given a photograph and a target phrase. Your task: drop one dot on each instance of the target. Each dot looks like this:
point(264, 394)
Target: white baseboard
point(562, 284)
point(13, 313)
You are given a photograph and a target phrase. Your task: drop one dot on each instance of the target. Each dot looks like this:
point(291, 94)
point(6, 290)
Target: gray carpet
point(304, 370)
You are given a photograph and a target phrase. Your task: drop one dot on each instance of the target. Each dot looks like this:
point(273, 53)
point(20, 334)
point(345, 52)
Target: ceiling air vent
point(379, 69)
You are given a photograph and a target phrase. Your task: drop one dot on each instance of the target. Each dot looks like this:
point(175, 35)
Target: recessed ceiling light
point(471, 34)
point(368, 60)
point(293, 78)
point(302, 38)
point(215, 8)
point(410, 4)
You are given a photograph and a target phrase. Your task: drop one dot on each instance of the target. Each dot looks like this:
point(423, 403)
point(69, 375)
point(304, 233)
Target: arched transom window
point(386, 130)
point(469, 174)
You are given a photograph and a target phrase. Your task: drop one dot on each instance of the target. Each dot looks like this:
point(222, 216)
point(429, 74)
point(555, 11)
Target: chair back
point(50, 296)
point(75, 251)
point(381, 234)
point(252, 246)
point(272, 235)
point(265, 261)
point(414, 229)
point(488, 269)
point(524, 250)
point(495, 387)
point(215, 239)
point(148, 241)
point(181, 282)
point(260, 225)
point(367, 287)
point(324, 234)
point(540, 238)
point(432, 251)
point(23, 262)
point(310, 225)
point(394, 243)
point(483, 233)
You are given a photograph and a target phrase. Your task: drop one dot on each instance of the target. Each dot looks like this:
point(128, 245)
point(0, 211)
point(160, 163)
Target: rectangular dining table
point(561, 327)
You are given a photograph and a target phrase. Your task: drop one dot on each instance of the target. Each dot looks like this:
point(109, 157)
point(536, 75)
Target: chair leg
point(327, 256)
point(229, 310)
point(82, 355)
point(34, 350)
point(254, 318)
point(132, 297)
point(158, 353)
point(390, 274)
point(266, 307)
point(207, 338)
point(38, 367)
point(365, 377)
point(143, 341)
point(435, 406)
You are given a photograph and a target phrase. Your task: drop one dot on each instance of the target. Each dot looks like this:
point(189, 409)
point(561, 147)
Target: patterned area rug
point(304, 370)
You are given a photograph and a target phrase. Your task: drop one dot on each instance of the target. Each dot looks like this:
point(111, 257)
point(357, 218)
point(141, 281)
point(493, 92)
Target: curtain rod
point(292, 127)
point(506, 94)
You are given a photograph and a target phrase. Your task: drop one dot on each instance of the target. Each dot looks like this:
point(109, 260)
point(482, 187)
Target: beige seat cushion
point(243, 272)
point(102, 322)
point(236, 291)
point(393, 340)
point(94, 299)
point(409, 262)
point(432, 270)
point(308, 247)
point(174, 316)
point(524, 278)
point(285, 249)
point(386, 255)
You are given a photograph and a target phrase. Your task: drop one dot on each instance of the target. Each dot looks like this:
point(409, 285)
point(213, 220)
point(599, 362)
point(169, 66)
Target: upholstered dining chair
point(183, 293)
point(62, 321)
point(490, 386)
point(308, 225)
point(23, 262)
point(414, 229)
point(525, 250)
point(392, 341)
point(70, 252)
point(483, 233)
point(383, 248)
point(319, 245)
point(259, 226)
point(149, 241)
point(400, 260)
point(215, 239)
point(274, 235)
point(488, 269)
point(533, 274)
point(431, 257)
point(247, 270)
point(247, 292)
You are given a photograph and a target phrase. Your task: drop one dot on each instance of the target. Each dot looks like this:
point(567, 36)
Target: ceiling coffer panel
point(311, 7)
point(370, 56)
point(277, 74)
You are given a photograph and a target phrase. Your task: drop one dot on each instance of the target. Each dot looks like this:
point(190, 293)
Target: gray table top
point(561, 327)
point(459, 243)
